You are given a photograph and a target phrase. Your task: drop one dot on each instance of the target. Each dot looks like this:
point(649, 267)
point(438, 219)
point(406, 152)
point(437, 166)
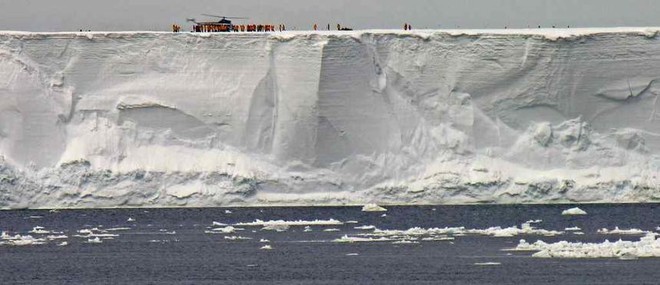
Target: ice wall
point(162, 119)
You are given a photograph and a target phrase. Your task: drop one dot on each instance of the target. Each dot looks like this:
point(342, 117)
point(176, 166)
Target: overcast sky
point(69, 15)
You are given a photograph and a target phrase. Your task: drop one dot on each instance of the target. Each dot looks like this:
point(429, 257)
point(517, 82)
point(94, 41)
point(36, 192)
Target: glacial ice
point(146, 119)
point(373, 208)
point(573, 212)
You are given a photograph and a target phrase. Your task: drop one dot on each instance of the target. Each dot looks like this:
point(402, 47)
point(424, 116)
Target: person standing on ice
point(315, 27)
point(405, 26)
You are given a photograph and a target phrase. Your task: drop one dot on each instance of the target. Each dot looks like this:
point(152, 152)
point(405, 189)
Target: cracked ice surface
point(388, 117)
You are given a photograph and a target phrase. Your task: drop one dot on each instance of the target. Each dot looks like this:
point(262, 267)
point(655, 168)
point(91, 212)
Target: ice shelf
point(135, 119)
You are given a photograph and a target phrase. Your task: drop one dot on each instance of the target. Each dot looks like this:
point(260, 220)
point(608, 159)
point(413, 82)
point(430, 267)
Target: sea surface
point(178, 246)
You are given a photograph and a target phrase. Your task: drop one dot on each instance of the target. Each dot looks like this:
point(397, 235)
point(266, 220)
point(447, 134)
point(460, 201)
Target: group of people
point(211, 28)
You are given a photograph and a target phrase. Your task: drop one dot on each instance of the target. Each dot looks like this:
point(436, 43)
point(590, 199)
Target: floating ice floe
point(351, 239)
point(307, 229)
point(373, 208)
point(281, 225)
point(225, 230)
point(351, 222)
point(617, 231)
point(39, 231)
point(130, 219)
point(219, 224)
point(525, 229)
point(94, 232)
point(94, 240)
point(370, 227)
point(64, 243)
point(330, 222)
point(20, 240)
point(54, 237)
point(118, 229)
point(487, 263)
point(266, 247)
point(352, 254)
point(237, 238)
point(447, 233)
point(331, 230)
point(572, 229)
point(263, 240)
point(228, 212)
point(405, 241)
point(573, 212)
point(647, 246)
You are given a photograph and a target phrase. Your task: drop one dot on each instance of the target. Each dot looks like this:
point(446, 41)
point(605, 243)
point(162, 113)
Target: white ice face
point(161, 119)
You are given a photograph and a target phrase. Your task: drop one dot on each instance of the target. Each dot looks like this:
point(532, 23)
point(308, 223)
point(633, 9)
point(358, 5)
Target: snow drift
point(162, 119)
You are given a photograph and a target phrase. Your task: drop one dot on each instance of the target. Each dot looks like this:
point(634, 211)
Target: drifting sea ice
point(330, 222)
point(647, 246)
point(237, 238)
point(369, 227)
point(350, 239)
point(487, 263)
point(524, 229)
point(95, 240)
point(224, 230)
point(266, 247)
point(617, 231)
point(20, 240)
point(573, 212)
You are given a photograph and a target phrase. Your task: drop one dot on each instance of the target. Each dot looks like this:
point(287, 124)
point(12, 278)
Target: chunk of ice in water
point(573, 212)
point(373, 208)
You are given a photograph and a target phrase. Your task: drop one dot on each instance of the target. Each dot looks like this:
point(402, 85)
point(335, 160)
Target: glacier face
point(162, 119)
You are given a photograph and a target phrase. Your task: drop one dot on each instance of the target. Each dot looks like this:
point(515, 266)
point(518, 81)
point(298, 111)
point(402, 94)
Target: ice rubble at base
point(162, 119)
point(573, 212)
point(647, 246)
point(373, 208)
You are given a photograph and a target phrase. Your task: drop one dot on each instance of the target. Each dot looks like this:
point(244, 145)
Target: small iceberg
point(487, 263)
point(573, 212)
point(94, 240)
point(266, 247)
point(373, 208)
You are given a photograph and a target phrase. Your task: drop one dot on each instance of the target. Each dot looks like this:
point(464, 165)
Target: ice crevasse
point(319, 118)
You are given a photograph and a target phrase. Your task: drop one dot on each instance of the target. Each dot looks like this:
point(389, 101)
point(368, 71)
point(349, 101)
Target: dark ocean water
point(169, 246)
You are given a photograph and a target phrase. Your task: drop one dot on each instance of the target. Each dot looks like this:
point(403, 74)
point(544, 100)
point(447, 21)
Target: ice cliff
point(163, 119)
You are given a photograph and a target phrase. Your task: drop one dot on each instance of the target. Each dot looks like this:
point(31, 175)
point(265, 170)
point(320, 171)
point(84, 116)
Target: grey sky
point(67, 15)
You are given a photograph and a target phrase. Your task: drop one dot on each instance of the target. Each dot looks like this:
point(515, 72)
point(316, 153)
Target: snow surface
point(137, 119)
